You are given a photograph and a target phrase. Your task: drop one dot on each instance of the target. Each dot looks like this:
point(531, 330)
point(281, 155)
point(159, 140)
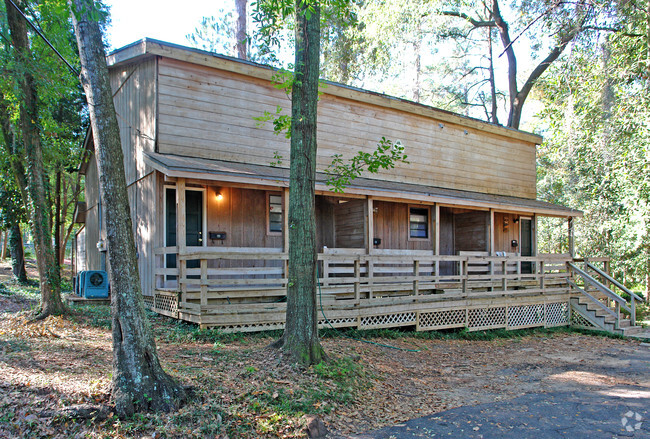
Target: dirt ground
point(242, 389)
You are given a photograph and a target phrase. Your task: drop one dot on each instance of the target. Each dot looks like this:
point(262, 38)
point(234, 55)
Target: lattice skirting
point(486, 318)
point(388, 320)
point(452, 318)
point(578, 321)
point(557, 314)
point(503, 315)
point(165, 304)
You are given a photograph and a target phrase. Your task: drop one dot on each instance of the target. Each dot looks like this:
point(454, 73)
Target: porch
point(380, 289)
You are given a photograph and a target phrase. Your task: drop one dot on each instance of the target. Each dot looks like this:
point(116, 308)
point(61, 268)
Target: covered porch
point(390, 254)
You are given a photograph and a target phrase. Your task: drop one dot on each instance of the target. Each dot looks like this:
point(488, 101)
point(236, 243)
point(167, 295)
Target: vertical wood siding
point(391, 225)
point(505, 230)
point(471, 231)
point(350, 224)
point(134, 89)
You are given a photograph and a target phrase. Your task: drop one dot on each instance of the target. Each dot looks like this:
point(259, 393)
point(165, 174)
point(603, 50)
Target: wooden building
point(447, 240)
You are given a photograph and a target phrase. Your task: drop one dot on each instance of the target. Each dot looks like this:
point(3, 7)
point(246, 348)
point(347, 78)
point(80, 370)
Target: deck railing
point(208, 276)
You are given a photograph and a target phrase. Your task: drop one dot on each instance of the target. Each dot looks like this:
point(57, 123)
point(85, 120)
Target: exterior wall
point(134, 89)
point(93, 228)
point(241, 213)
point(350, 224)
point(471, 231)
point(391, 225)
point(209, 113)
point(505, 230)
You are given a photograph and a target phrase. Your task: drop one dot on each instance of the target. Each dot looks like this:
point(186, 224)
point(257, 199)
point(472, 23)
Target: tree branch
point(474, 22)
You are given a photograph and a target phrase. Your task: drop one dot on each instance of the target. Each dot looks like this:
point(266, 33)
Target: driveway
point(588, 408)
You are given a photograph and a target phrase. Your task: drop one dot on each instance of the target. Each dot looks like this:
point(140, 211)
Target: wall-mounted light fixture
point(516, 220)
point(218, 195)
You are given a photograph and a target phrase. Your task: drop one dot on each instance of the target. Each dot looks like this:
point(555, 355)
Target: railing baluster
point(416, 273)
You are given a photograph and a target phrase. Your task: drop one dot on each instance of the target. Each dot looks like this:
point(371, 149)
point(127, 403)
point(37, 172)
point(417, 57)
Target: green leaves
point(342, 172)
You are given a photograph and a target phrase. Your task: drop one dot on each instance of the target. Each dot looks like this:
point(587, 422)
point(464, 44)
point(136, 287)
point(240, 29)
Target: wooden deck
point(244, 289)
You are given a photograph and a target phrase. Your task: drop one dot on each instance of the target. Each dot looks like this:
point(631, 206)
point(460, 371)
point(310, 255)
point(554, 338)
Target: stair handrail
point(614, 281)
point(620, 302)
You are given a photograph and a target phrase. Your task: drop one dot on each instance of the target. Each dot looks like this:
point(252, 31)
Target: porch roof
point(273, 177)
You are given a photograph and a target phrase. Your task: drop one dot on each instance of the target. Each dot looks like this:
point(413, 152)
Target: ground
point(243, 389)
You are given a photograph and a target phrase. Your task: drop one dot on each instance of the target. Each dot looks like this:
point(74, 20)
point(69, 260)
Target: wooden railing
point(207, 277)
point(614, 302)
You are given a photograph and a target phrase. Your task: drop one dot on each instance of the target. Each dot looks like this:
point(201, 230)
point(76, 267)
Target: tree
point(51, 303)
point(139, 382)
point(595, 156)
point(300, 338)
point(241, 45)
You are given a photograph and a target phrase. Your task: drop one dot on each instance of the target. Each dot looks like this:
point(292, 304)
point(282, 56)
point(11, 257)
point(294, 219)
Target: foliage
point(595, 156)
point(341, 173)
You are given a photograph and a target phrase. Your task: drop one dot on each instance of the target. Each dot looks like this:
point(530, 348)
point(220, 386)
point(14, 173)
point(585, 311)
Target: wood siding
point(134, 95)
point(350, 224)
point(209, 113)
point(391, 225)
point(471, 231)
point(241, 213)
point(505, 230)
point(93, 228)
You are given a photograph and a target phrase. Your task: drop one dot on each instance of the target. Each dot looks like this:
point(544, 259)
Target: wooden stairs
point(598, 306)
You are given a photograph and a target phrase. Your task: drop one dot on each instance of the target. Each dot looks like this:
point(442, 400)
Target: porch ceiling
point(218, 170)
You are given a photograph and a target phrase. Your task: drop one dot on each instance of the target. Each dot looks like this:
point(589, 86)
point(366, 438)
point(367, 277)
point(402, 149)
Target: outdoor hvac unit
point(93, 284)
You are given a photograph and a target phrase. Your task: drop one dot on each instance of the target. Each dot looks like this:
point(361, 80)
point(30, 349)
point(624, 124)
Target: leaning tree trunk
point(139, 382)
point(241, 46)
point(300, 338)
point(17, 254)
point(48, 269)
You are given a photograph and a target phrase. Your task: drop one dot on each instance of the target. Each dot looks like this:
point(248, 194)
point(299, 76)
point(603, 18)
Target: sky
point(164, 20)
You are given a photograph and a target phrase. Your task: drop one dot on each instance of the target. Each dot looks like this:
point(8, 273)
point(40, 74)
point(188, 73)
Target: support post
point(437, 241)
point(181, 236)
point(370, 224)
point(204, 282)
point(571, 238)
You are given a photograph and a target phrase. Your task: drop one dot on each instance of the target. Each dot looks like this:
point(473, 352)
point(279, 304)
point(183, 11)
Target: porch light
point(219, 196)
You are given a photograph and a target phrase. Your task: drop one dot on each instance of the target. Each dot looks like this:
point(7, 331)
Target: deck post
point(357, 280)
point(491, 240)
point(571, 238)
point(437, 242)
point(416, 274)
point(181, 235)
point(204, 282)
point(285, 229)
point(370, 234)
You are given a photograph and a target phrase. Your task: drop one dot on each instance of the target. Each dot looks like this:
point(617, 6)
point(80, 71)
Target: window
point(419, 222)
point(275, 218)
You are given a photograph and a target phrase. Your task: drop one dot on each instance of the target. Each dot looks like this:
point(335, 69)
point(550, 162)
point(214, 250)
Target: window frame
point(428, 222)
point(270, 232)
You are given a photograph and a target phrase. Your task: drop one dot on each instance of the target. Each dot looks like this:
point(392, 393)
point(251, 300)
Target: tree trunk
point(241, 45)
point(48, 269)
point(5, 235)
point(300, 338)
point(57, 219)
point(139, 382)
point(17, 254)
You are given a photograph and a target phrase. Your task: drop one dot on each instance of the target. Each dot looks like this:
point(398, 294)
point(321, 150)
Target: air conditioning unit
point(93, 284)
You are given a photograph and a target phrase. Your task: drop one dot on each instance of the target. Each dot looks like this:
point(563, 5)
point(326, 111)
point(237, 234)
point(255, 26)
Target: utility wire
point(40, 34)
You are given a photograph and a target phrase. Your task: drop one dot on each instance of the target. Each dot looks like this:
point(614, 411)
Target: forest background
point(590, 102)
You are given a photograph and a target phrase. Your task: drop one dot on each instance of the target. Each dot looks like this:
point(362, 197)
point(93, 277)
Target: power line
point(40, 34)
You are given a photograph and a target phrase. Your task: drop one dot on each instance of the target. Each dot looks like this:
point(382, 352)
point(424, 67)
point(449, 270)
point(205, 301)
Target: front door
point(526, 243)
point(193, 224)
